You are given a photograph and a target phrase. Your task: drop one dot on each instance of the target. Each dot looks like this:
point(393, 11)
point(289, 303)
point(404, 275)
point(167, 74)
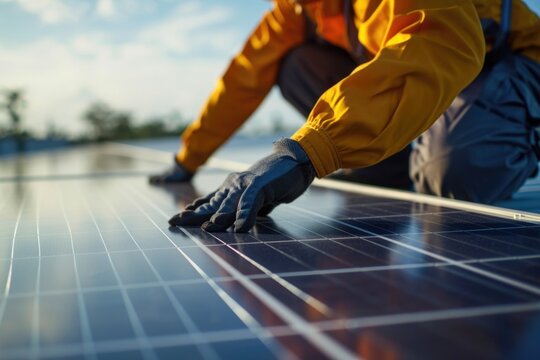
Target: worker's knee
point(473, 173)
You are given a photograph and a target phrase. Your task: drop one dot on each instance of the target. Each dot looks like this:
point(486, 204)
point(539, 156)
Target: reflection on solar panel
point(89, 269)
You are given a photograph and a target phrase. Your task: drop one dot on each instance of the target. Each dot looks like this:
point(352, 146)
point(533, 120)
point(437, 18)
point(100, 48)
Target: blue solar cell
point(171, 265)
point(152, 239)
point(179, 352)
point(55, 243)
point(156, 312)
point(17, 323)
point(132, 268)
point(121, 355)
point(118, 240)
point(26, 246)
point(271, 257)
point(107, 315)
point(89, 242)
point(60, 320)
point(57, 274)
point(230, 350)
point(24, 276)
point(95, 271)
point(206, 308)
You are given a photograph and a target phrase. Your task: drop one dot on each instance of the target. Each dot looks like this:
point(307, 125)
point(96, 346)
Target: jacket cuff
point(319, 148)
point(191, 163)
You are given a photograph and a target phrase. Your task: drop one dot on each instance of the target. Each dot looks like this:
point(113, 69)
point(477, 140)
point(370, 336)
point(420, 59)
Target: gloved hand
point(175, 174)
point(278, 178)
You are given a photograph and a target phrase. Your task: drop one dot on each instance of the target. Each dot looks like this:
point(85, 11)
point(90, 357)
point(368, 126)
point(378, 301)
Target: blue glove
point(278, 178)
point(175, 174)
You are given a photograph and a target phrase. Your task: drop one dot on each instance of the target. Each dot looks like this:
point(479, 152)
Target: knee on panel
point(472, 174)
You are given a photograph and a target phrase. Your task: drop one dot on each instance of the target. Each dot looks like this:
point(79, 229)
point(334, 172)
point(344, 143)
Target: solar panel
point(89, 269)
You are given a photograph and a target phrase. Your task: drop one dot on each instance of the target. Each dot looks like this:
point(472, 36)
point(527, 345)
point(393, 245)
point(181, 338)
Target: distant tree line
point(104, 122)
point(107, 123)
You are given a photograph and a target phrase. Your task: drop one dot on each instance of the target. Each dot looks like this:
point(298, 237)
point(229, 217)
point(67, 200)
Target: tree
point(108, 123)
point(14, 104)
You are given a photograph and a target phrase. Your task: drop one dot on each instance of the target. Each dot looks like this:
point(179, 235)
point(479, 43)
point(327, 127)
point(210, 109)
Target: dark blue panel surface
point(513, 336)
point(90, 270)
point(525, 270)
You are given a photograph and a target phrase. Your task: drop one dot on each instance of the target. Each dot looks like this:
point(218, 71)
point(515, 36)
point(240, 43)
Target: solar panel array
point(89, 269)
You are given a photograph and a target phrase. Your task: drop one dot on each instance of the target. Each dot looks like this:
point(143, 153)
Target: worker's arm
point(427, 51)
point(245, 84)
point(428, 54)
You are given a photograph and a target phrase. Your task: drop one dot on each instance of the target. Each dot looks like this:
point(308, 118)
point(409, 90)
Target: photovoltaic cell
point(90, 270)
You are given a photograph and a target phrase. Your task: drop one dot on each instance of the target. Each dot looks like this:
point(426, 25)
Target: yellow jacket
point(424, 52)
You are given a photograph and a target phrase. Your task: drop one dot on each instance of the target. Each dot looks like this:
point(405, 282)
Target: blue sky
point(148, 57)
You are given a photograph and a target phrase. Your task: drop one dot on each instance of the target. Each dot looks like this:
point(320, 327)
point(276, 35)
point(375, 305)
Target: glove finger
point(199, 201)
point(266, 209)
point(225, 215)
point(188, 218)
point(250, 203)
point(201, 214)
point(155, 179)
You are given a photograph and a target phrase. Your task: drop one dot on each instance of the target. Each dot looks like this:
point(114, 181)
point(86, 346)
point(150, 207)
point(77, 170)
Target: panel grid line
point(339, 281)
point(348, 270)
point(308, 299)
point(410, 269)
point(88, 344)
point(148, 352)
point(321, 341)
point(514, 283)
point(367, 239)
point(34, 344)
point(325, 254)
point(204, 348)
point(299, 261)
point(242, 313)
point(457, 241)
point(284, 331)
point(7, 287)
point(364, 237)
point(487, 237)
point(390, 216)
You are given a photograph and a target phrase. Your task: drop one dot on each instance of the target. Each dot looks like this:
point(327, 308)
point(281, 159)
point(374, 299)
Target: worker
point(372, 77)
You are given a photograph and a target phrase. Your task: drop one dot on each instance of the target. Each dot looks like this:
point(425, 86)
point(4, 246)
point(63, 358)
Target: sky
point(150, 58)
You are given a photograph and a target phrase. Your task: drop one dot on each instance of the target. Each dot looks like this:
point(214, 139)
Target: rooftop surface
point(90, 269)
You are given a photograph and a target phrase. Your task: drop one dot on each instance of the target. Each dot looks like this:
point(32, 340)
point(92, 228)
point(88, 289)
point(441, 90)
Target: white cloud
point(58, 11)
point(187, 29)
point(60, 83)
point(89, 45)
point(61, 79)
point(52, 11)
point(106, 8)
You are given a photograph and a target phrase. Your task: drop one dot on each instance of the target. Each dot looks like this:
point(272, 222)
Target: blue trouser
point(482, 149)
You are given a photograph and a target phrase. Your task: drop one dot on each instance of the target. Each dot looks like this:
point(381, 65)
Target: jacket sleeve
point(426, 52)
point(246, 82)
